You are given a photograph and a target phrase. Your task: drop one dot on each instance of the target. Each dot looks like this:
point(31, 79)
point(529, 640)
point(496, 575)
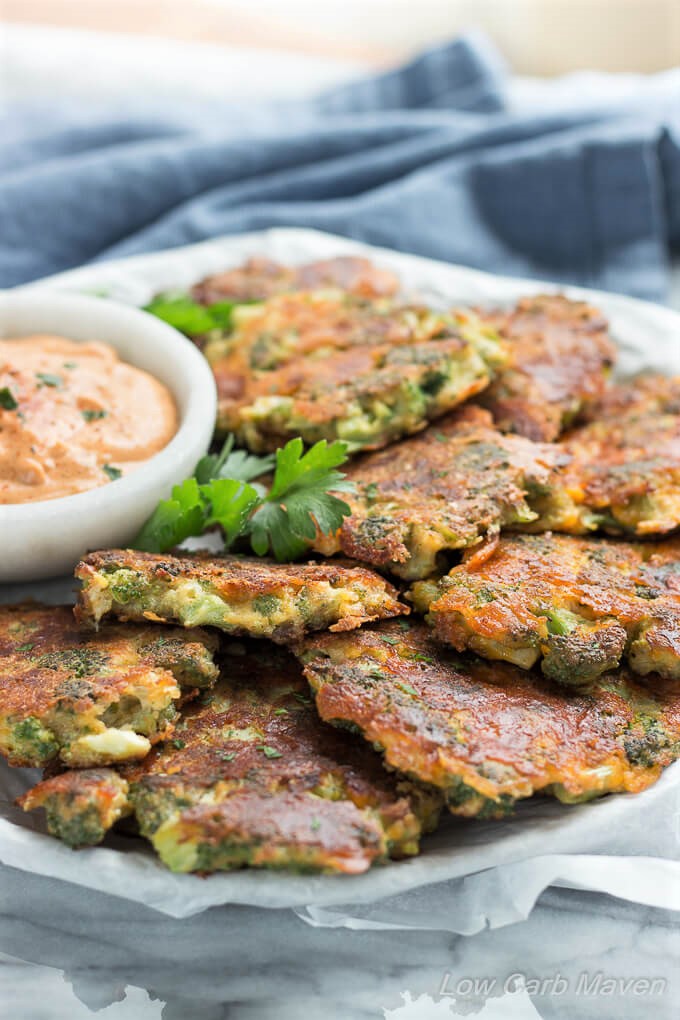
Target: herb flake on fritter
point(446, 489)
point(489, 734)
point(559, 356)
point(251, 777)
point(325, 365)
point(578, 606)
point(89, 699)
point(239, 595)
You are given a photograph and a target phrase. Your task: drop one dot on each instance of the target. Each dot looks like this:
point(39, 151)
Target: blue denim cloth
point(429, 158)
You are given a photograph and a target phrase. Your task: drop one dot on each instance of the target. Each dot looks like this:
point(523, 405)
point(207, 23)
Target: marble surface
point(242, 963)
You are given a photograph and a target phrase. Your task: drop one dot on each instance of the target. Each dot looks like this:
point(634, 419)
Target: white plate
point(648, 336)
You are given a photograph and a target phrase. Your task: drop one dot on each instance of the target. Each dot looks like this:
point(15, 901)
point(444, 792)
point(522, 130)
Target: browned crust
point(48, 665)
point(118, 655)
point(102, 785)
point(240, 579)
point(626, 458)
point(631, 592)
point(333, 836)
point(252, 765)
point(560, 353)
point(460, 477)
point(260, 278)
point(329, 353)
point(501, 731)
point(263, 689)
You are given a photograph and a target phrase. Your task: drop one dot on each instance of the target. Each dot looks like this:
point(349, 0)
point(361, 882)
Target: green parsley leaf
point(315, 825)
point(227, 755)
point(7, 399)
point(70, 364)
point(174, 519)
point(269, 752)
point(178, 744)
point(94, 415)
point(111, 471)
point(25, 648)
point(390, 640)
point(180, 311)
point(231, 502)
point(230, 463)
point(48, 379)
point(300, 499)
point(280, 711)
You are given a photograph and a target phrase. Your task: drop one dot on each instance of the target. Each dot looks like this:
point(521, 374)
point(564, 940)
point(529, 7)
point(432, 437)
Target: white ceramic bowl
point(47, 538)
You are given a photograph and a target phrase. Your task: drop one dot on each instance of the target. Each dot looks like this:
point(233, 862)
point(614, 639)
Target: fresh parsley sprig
point(278, 520)
point(231, 463)
point(180, 311)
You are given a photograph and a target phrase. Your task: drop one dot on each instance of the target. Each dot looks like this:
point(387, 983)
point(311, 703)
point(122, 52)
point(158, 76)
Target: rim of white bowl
point(200, 406)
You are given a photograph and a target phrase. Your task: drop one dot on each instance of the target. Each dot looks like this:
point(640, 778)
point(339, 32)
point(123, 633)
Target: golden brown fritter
point(81, 805)
point(88, 699)
point(252, 778)
point(580, 606)
point(559, 358)
point(260, 278)
point(626, 460)
point(327, 365)
point(488, 733)
point(446, 489)
point(237, 594)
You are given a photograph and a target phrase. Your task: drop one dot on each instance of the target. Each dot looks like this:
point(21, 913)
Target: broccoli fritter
point(239, 595)
point(446, 489)
point(486, 733)
point(626, 459)
point(328, 365)
point(81, 805)
point(580, 606)
point(559, 355)
point(259, 278)
point(252, 777)
point(90, 699)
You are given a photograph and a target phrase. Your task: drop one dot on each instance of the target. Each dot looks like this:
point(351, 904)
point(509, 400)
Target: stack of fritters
point(548, 659)
point(247, 774)
point(250, 777)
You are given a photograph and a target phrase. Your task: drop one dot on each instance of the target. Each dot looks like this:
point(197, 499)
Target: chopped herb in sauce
point(7, 399)
point(48, 379)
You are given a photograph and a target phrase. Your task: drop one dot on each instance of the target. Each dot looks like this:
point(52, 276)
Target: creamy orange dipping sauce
point(73, 416)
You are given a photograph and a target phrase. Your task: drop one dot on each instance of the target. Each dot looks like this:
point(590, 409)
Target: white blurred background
point(543, 37)
point(89, 49)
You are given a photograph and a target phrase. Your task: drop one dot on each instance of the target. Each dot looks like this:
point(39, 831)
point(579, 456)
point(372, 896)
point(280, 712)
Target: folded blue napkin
point(431, 158)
